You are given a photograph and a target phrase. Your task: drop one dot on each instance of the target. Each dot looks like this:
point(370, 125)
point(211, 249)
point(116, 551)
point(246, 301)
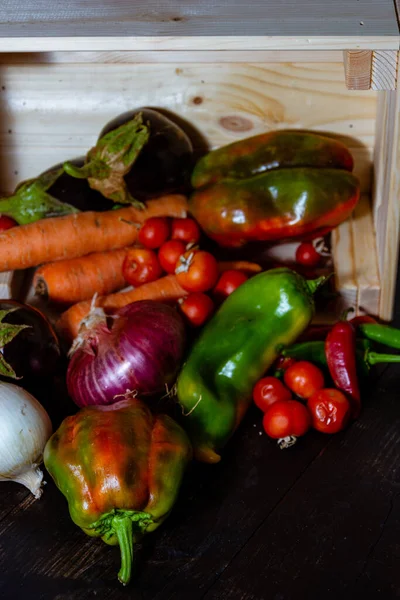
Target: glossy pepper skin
point(235, 349)
point(340, 350)
point(272, 187)
point(120, 469)
point(314, 351)
point(274, 150)
point(278, 205)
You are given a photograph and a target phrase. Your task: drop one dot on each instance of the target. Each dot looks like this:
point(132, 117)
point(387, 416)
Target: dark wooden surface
point(318, 521)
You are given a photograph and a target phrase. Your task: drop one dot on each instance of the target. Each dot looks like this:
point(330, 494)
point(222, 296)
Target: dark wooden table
point(318, 521)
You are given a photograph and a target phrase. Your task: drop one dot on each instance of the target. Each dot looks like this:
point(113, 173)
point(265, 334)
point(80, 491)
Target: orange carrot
point(239, 265)
point(77, 279)
point(166, 289)
point(75, 235)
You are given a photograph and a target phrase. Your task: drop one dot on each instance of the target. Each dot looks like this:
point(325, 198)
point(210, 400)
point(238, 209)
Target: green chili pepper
point(383, 334)
point(315, 352)
point(234, 350)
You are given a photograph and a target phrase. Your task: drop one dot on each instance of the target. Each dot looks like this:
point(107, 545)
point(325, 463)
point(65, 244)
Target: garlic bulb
point(25, 428)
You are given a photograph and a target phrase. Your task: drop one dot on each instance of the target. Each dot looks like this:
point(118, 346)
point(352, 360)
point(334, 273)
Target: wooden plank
point(358, 68)
point(376, 70)
point(386, 196)
point(365, 258)
point(345, 273)
point(173, 56)
point(43, 123)
point(12, 284)
point(325, 538)
point(163, 18)
point(384, 70)
point(194, 43)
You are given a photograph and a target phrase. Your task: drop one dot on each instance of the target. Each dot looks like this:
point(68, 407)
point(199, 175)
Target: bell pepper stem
point(314, 284)
point(122, 525)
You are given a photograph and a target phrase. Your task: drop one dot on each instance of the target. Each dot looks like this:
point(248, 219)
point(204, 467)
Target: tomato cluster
point(301, 401)
point(170, 246)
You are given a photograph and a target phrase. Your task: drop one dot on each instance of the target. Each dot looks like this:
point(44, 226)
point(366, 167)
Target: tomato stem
point(287, 442)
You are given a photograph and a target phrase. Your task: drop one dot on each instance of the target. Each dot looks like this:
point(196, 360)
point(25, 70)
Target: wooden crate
point(65, 70)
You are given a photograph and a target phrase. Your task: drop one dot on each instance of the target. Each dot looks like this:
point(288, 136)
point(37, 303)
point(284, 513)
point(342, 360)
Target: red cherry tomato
point(282, 363)
point(304, 379)
point(154, 232)
point(6, 223)
point(269, 390)
point(197, 308)
point(197, 271)
point(330, 410)
point(307, 255)
point(228, 282)
point(285, 421)
point(169, 254)
point(141, 266)
point(185, 230)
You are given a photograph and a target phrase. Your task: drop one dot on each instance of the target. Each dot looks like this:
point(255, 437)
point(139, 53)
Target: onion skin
point(25, 428)
point(139, 350)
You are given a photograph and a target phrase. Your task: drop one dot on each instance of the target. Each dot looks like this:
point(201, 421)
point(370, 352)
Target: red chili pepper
point(340, 350)
point(361, 319)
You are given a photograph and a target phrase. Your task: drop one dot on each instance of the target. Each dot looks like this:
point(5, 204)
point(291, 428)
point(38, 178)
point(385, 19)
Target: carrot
point(239, 265)
point(77, 279)
point(82, 233)
point(165, 289)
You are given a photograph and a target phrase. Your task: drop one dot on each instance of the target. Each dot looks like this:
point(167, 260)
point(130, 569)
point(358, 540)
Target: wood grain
point(365, 259)
point(386, 196)
point(53, 112)
point(172, 56)
point(384, 70)
point(164, 18)
point(318, 520)
point(358, 69)
point(184, 44)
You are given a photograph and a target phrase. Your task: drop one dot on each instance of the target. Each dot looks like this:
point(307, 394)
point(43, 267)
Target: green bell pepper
point(235, 349)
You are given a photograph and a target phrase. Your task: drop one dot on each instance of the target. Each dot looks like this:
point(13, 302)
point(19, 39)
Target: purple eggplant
point(29, 347)
point(139, 155)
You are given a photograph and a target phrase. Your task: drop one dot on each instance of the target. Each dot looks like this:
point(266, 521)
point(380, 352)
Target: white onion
point(25, 428)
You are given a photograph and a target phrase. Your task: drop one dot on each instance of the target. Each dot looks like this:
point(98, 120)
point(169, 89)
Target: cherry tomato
point(330, 410)
point(141, 266)
point(197, 271)
point(307, 255)
point(197, 308)
point(185, 230)
point(228, 282)
point(154, 232)
point(169, 254)
point(304, 379)
point(6, 223)
point(269, 390)
point(286, 420)
point(282, 363)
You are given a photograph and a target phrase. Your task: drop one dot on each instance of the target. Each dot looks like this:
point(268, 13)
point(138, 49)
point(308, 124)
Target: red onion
point(139, 349)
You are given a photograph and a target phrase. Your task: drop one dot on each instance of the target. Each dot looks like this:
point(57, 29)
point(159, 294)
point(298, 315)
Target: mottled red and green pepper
point(274, 187)
point(120, 469)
